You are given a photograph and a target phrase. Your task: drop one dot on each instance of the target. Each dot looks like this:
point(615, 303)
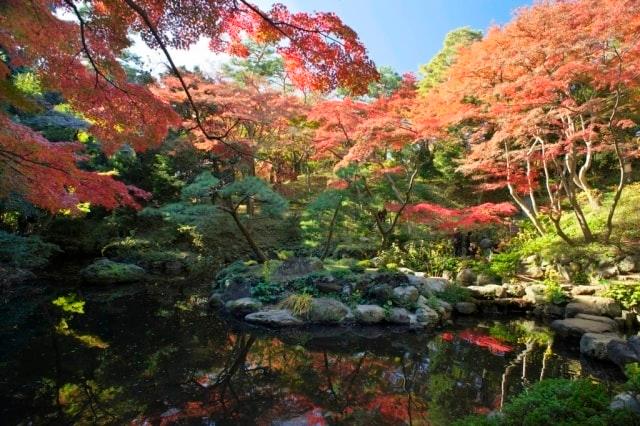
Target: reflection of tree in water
point(167, 366)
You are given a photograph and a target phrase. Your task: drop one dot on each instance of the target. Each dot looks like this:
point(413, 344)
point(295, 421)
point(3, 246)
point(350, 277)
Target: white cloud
point(199, 55)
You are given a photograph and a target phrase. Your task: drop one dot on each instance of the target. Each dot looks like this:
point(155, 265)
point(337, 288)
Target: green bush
point(552, 291)
point(632, 371)
point(558, 402)
point(25, 252)
point(454, 293)
point(432, 257)
point(236, 268)
point(627, 294)
point(267, 292)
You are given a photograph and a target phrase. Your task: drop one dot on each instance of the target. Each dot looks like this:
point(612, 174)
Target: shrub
point(552, 291)
point(454, 293)
point(627, 294)
point(632, 371)
point(431, 257)
point(266, 292)
point(25, 252)
point(558, 402)
point(236, 268)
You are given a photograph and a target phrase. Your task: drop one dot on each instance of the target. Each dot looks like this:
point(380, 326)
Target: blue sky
point(407, 33)
point(399, 33)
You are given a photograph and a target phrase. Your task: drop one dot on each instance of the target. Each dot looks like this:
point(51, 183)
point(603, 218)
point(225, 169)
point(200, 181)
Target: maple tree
point(378, 154)
point(539, 96)
point(73, 48)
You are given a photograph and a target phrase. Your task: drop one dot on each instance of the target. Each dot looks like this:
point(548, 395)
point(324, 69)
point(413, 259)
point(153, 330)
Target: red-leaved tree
point(73, 48)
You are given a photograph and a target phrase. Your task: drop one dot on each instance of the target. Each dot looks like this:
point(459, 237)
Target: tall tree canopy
point(539, 96)
point(435, 71)
point(73, 49)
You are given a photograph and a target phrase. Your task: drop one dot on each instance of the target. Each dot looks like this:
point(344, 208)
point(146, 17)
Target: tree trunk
point(527, 211)
point(332, 225)
point(621, 184)
point(554, 198)
point(567, 184)
point(247, 235)
point(251, 207)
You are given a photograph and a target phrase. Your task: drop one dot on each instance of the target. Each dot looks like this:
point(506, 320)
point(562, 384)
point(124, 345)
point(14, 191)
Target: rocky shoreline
point(412, 299)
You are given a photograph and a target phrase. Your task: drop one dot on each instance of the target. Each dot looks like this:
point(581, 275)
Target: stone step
point(576, 327)
point(594, 345)
point(593, 305)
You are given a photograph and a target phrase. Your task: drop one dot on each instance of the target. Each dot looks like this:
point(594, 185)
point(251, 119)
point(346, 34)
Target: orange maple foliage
point(547, 89)
point(75, 53)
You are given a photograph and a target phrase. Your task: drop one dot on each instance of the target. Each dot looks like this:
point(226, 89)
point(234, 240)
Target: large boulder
point(593, 305)
point(607, 269)
point(380, 292)
point(534, 271)
point(328, 284)
point(626, 401)
point(273, 318)
point(427, 316)
point(296, 267)
point(629, 264)
point(105, 271)
point(490, 291)
point(434, 284)
point(399, 316)
point(624, 352)
point(406, 296)
point(466, 277)
point(585, 290)
point(535, 294)
point(326, 310)
point(576, 327)
point(594, 345)
point(244, 306)
point(215, 300)
point(466, 308)
point(514, 290)
point(444, 309)
point(369, 314)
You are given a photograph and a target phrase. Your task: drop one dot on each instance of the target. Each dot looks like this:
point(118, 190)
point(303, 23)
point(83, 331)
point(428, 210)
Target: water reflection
point(166, 361)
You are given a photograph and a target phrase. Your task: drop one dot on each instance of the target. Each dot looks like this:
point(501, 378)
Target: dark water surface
point(147, 357)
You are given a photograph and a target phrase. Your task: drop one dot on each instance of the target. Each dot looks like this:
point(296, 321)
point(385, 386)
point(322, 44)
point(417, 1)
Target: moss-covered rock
point(105, 271)
point(326, 310)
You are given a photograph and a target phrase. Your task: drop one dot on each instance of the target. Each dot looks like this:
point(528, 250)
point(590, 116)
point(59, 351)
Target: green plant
point(266, 292)
point(391, 266)
point(433, 302)
point(627, 294)
point(284, 254)
point(454, 293)
point(558, 402)
point(25, 252)
point(432, 257)
point(552, 291)
point(234, 269)
point(353, 299)
point(268, 268)
point(581, 278)
point(632, 371)
point(299, 304)
point(388, 305)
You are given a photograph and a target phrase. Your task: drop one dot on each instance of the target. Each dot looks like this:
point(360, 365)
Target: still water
point(146, 357)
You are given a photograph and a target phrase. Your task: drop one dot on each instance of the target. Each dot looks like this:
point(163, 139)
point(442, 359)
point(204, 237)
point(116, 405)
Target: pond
point(149, 356)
